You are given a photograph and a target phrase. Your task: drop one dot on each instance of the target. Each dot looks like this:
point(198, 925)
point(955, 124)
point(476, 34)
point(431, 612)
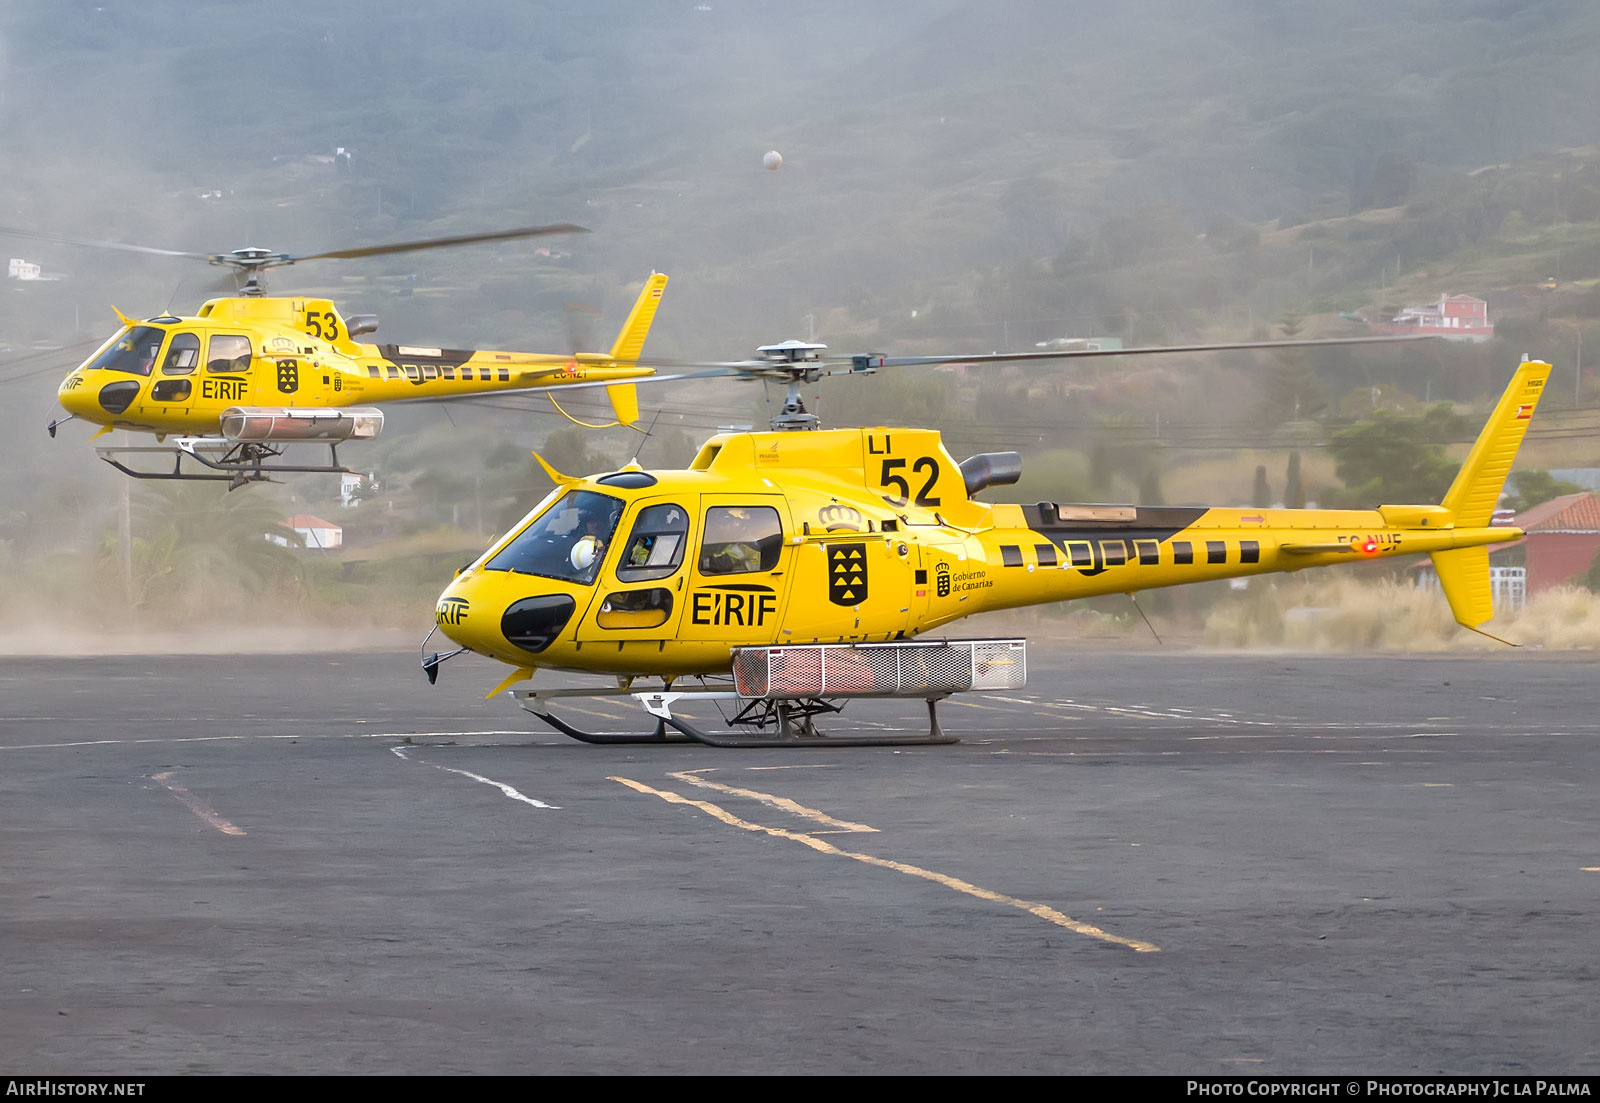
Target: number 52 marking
point(888, 478)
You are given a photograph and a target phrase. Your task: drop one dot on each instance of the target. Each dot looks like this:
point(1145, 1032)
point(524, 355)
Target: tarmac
point(1153, 862)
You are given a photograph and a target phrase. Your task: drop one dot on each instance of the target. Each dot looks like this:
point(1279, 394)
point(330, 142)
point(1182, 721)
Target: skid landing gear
point(770, 723)
point(221, 460)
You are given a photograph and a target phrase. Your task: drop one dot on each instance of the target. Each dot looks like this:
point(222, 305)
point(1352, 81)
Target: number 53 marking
point(323, 323)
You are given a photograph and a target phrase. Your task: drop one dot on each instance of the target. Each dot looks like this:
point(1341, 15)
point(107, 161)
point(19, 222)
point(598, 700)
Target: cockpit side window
point(133, 352)
point(229, 352)
point(182, 355)
point(655, 550)
point(568, 541)
point(741, 540)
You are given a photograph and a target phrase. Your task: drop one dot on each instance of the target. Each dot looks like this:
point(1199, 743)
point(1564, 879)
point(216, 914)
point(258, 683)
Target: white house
point(314, 532)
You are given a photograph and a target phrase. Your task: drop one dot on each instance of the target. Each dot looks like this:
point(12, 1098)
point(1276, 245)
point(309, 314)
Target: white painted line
point(246, 738)
point(500, 785)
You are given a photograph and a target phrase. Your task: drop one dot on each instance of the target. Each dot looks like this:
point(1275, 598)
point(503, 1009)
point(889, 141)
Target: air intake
point(988, 469)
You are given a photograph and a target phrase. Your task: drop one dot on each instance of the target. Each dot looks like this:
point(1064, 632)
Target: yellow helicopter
point(250, 374)
point(784, 573)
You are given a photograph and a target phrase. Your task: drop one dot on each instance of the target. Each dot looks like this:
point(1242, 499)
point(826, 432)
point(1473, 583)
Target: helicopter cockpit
point(567, 542)
point(133, 351)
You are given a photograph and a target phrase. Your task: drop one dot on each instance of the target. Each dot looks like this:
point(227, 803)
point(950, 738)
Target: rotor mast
point(799, 363)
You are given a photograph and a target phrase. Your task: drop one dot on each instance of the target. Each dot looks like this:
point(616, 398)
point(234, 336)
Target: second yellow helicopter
point(250, 374)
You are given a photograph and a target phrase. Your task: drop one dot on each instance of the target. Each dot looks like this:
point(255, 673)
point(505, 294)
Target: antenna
point(1135, 599)
point(650, 429)
point(174, 297)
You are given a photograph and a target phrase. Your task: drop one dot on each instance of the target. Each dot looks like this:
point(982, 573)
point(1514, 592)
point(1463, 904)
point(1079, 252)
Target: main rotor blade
point(1145, 350)
point(830, 361)
point(63, 239)
point(562, 388)
point(440, 242)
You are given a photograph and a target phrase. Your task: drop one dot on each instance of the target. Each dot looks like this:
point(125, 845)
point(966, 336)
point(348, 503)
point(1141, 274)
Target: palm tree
point(199, 547)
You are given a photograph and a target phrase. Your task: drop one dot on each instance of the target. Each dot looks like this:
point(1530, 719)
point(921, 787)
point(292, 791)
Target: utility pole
point(1577, 367)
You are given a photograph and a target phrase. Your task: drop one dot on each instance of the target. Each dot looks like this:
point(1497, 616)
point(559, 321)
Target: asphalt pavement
point(1143, 862)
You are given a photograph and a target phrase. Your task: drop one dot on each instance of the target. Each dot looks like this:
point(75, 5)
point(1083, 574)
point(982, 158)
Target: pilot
point(593, 527)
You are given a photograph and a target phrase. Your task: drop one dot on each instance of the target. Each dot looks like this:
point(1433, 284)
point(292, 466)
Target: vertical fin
point(625, 401)
point(1474, 494)
point(1464, 572)
point(631, 340)
point(1464, 576)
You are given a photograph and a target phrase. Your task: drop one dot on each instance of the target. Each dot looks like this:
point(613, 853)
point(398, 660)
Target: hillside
point(957, 176)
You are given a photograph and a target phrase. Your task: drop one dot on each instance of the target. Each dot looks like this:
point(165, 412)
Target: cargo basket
point(914, 669)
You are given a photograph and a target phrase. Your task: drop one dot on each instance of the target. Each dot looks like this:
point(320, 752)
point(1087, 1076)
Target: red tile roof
point(307, 521)
point(1569, 513)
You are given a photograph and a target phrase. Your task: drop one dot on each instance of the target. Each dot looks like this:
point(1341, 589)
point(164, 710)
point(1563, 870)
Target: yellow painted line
point(783, 803)
point(975, 705)
point(567, 704)
point(1043, 911)
point(196, 805)
point(1590, 869)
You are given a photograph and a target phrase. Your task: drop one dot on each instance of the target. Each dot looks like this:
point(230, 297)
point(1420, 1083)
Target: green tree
point(1294, 491)
point(567, 450)
point(1390, 459)
point(1291, 392)
point(1534, 487)
point(198, 547)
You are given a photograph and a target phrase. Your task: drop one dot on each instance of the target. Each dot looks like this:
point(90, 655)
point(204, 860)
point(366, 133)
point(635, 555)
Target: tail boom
point(1125, 549)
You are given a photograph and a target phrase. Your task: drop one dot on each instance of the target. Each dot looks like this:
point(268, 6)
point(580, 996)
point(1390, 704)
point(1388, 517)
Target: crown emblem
point(836, 517)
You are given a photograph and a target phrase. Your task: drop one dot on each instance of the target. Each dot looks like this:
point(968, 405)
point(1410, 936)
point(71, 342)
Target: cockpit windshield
point(133, 352)
point(567, 542)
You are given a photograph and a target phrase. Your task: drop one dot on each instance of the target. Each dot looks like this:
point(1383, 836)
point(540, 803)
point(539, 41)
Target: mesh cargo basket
point(879, 669)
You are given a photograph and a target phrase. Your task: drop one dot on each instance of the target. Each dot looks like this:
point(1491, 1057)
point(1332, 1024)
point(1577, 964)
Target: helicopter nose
point(480, 613)
point(78, 396)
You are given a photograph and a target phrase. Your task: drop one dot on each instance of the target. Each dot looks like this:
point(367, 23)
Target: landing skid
point(233, 462)
point(784, 723)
